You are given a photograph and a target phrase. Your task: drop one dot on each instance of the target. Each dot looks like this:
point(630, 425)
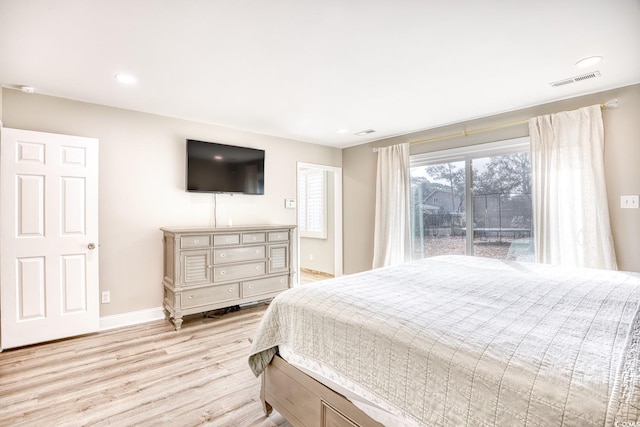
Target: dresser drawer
point(249, 253)
point(264, 286)
point(278, 236)
point(253, 238)
point(200, 241)
point(211, 295)
point(236, 272)
point(226, 239)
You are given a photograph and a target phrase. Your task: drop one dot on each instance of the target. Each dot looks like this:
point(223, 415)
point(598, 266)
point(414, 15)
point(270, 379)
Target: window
point(312, 203)
point(473, 200)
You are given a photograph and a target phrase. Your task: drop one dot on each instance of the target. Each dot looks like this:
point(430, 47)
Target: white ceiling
point(302, 69)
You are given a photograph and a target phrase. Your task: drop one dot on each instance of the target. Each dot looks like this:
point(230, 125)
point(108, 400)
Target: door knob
point(91, 246)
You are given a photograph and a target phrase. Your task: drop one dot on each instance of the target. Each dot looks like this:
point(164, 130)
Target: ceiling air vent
point(575, 79)
point(364, 132)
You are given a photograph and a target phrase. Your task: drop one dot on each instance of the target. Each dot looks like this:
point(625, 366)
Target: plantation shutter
point(312, 208)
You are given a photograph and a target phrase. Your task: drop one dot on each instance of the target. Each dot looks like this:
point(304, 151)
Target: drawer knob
point(222, 273)
point(258, 251)
point(281, 280)
point(190, 296)
point(230, 289)
point(222, 255)
point(258, 267)
point(250, 286)
point(196, 241)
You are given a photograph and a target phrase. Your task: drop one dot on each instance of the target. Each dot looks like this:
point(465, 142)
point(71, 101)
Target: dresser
point(211, 268)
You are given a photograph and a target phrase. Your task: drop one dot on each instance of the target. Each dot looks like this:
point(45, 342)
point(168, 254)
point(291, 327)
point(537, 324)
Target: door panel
point(73, 282)
point(278, 258)
point(72, 192)
point(49, 216)
point(196, 267)
point(30, 203)
point(30, 288)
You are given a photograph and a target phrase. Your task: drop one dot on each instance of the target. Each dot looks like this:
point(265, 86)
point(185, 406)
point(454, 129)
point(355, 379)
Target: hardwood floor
point(146, 375)
point(308, 276)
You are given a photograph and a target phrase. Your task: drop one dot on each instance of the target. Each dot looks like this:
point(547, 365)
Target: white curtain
point(392, 234)
point(570, 208)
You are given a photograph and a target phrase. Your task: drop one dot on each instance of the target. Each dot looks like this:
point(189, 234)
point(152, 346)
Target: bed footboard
point(304, 401)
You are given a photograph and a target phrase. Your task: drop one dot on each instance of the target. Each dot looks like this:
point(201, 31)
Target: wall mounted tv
point(220, 168)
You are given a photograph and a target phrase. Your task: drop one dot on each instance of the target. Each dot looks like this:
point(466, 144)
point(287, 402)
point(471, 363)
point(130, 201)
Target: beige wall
point(142, 184)
point(622, 157)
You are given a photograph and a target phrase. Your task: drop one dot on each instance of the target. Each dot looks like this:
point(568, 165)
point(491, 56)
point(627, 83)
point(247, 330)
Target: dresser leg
point(177, 322)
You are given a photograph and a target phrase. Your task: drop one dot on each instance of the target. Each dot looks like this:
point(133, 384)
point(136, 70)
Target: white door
point(48, 236)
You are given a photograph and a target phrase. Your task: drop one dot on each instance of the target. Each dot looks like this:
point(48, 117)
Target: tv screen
point(220, 168)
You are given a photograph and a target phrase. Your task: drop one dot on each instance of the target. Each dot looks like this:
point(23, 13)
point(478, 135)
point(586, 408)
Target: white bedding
point(469, 341)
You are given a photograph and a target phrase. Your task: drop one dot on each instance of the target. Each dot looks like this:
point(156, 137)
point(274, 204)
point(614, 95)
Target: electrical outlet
point(106, 297)
point(629, 202)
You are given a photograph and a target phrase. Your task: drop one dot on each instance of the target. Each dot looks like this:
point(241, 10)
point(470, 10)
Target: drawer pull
point(226, 239)
point(258, 251)
point(196, 241)
point(222, 255)
point(230, 289)
point(222, 273)
point(258, 267)
point(250, 286)
point(190, 296)
point(281, 280)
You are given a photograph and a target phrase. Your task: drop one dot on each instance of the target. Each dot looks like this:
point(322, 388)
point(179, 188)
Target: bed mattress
point(460, 340)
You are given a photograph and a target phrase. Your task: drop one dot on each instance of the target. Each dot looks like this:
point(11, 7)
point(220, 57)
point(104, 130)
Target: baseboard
point(316, 272)
point(131, 318)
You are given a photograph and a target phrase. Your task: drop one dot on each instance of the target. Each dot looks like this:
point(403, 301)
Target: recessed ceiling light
point(343, 130)
point(125, 79)
point(27, 89)
point(364, 132)
point(588, 62)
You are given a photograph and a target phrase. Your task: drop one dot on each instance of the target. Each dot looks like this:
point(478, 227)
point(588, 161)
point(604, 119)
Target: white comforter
point(470, 341)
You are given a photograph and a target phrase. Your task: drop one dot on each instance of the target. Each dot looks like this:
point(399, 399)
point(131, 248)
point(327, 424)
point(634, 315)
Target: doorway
point(319, 220)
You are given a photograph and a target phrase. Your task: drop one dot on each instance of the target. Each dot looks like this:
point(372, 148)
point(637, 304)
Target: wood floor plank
point(147, 374)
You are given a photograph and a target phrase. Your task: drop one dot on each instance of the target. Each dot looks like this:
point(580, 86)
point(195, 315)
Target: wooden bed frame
point(305, 402)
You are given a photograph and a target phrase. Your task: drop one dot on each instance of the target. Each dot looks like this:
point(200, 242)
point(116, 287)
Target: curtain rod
point(609, 104)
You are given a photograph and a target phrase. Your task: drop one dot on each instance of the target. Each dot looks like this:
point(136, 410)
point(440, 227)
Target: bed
point(455, 340)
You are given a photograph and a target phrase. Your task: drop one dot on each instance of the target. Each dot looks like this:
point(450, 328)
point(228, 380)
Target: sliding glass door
point(475, 200)
point(438, 199)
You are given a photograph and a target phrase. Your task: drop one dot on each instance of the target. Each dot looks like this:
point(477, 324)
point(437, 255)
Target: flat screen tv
point(220, 168)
